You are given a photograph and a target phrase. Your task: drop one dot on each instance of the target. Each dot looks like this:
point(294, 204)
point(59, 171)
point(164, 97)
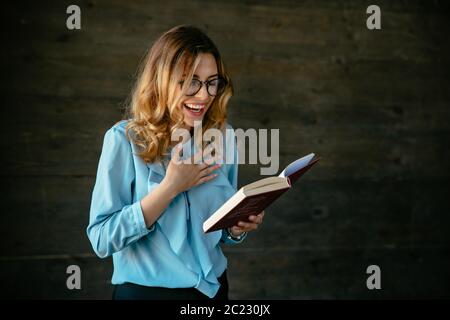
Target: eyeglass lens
point(212, 86)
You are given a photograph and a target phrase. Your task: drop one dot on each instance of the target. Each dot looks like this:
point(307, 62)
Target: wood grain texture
point(372, 104)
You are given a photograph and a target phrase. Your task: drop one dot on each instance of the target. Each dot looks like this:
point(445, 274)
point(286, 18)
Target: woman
point(147, 206)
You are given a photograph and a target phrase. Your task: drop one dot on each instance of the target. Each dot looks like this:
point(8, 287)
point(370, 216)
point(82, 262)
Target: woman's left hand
point(241, 227)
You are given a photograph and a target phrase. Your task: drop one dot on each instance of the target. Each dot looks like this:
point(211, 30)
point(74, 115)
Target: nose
point(203, 93)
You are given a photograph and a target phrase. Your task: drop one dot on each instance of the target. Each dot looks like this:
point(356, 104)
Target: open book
point(255, 197)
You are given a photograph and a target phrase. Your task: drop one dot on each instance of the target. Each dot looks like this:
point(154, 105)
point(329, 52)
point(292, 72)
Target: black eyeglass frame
point(222, 83)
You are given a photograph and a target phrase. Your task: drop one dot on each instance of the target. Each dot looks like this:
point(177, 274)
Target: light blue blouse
point(174, 252)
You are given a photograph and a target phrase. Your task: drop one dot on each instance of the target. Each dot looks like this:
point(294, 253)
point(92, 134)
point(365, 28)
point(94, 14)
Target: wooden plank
point(65, 136)
point(338, 274)
point(49, 215)
point(299, 274)
point(45, 278)
point(45, 215)
point(374, 105)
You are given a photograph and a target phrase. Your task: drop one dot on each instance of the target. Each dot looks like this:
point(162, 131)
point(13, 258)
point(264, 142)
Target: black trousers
point(131, 291)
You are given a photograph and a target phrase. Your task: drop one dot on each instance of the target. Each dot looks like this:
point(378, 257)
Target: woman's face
point(194, 107)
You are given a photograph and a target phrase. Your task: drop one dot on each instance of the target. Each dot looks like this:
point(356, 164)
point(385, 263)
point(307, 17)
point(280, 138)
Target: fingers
point(205, 174)
point(256, 219)
point(202, 166)
point(236, 229)
point(175, 156)
point(198, 171)
point(253, 224)
point(206, 179)
point(208, 169)
point(247, 226)
point(204, 156)
point(197, 157)
point(209, 158)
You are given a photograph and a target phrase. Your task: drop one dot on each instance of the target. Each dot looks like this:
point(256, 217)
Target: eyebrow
point(214, 75)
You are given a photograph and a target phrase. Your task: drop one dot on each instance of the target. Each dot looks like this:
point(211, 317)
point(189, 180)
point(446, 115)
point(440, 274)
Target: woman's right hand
point(182, 176)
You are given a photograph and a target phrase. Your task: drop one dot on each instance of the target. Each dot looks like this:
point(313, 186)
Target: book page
point(262, 183)
point(282, 184)
point(296, 165)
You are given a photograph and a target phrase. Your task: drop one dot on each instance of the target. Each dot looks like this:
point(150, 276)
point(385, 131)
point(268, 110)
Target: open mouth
point(195, 110)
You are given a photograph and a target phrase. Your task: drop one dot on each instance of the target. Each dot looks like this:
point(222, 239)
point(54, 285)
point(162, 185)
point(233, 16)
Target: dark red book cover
point(254, 204)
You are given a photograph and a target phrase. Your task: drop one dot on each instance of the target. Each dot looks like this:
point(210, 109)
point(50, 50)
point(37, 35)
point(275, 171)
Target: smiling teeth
point(194, 106)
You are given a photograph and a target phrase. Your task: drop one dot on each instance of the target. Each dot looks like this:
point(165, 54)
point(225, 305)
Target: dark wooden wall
point(373, 104)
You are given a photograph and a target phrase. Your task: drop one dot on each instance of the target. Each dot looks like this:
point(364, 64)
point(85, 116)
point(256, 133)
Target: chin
point(190, 123)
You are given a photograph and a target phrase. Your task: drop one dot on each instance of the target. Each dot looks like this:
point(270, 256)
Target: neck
point(191, 132)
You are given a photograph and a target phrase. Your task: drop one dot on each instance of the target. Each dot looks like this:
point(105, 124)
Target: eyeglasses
point(213, 87)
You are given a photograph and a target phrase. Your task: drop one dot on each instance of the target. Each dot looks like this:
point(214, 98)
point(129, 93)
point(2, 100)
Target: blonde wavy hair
point(153, 109)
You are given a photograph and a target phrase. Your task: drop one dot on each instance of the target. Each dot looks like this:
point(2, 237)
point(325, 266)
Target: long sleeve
point(115, 221)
